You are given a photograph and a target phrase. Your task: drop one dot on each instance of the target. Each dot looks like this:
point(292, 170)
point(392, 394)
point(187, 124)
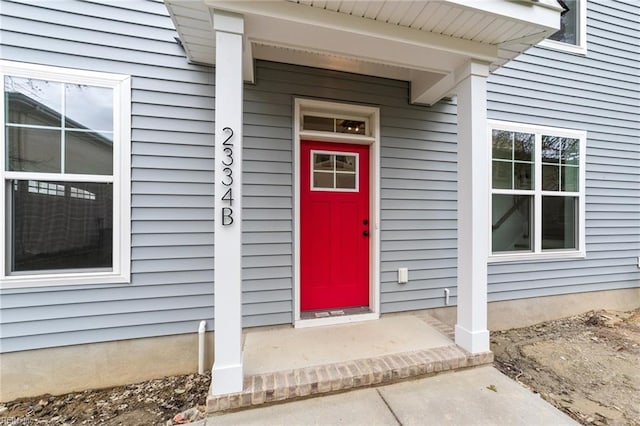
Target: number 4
point(228, 196)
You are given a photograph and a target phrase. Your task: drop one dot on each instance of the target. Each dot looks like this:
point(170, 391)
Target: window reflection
point(31, 101)
point(61, 225)
point(38, 134)
point(34, 150)
point(568, 32)
point(88, 107)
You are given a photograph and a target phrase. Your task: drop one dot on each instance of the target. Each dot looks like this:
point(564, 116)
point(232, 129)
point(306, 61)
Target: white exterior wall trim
point(471, 331)
point(372, 114)
point(227, 373)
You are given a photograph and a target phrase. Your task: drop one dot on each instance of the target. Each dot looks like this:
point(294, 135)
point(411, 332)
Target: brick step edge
point(323, 379)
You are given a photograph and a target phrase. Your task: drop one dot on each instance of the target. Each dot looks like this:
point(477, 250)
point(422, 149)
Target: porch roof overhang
point(425, 42)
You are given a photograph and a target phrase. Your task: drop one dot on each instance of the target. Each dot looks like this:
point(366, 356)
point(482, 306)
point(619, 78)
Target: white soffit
point(422, 41)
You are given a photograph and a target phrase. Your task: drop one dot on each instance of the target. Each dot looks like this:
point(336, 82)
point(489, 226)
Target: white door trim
point(372, 115)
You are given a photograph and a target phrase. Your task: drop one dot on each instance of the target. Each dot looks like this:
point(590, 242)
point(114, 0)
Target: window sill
point(58, 280)
point(564, 47)
point(536, 257)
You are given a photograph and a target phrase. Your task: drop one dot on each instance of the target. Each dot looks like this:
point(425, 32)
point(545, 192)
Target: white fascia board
point(314, 17)
point(541, 12)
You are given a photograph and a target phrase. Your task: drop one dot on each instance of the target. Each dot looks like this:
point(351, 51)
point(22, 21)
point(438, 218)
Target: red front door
point(334, 225)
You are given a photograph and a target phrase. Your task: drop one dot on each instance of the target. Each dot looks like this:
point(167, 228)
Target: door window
point(334, 171)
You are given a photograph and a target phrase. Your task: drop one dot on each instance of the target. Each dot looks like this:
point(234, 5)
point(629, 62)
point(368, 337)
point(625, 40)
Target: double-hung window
point(65, 184)
point(537, 191)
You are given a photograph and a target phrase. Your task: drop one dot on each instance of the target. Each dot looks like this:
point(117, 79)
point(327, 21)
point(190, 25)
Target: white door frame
point(372, 116)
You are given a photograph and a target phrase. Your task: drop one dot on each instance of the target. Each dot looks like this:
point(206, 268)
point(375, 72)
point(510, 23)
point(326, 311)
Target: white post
point(473, 207)
point(227, 368)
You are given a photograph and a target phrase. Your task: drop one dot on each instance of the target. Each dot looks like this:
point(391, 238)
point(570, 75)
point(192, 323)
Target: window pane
point(350, 126)
point(88, 107)
point(559, 220)
point(570, 151)
point(551, 149)
point(550, 178)
point(502, 144)
point(523, 175)
point(323, 161)
point(323, 124)
point(61, 225)
point(34, 150)
point(88, 153)
point(31, 101)
point(512, 228)
point(346, 180)
point(346, 163)
point(568, 24)
point(523, 146)
point(502, 174)
point(569, 179)
point(322, 180)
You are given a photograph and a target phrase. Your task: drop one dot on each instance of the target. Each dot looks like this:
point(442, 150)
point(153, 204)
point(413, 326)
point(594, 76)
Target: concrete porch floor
point(283, 364)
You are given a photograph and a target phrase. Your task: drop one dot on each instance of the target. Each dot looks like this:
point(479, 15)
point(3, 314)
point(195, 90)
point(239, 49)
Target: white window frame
point(121, 178)
point(537, 253)
point(581, 47)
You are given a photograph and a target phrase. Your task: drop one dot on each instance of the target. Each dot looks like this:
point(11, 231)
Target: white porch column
point(227, 368)
point(473, 207)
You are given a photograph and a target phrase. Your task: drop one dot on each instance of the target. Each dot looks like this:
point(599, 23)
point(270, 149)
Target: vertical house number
point(227, 179)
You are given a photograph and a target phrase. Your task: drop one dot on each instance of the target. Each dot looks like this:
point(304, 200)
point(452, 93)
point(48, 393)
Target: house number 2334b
point(227, 178)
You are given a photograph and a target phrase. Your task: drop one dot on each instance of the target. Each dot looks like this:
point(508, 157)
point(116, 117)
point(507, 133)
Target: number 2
point(226, 141)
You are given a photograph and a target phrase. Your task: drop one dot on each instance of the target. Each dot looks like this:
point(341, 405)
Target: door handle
point(365, 233)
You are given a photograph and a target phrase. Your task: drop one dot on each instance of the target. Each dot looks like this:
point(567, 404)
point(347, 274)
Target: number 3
point(228, 172)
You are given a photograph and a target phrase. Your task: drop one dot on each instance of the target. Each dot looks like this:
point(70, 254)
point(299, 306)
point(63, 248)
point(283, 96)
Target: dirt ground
point(154, 402)
point(587, 365)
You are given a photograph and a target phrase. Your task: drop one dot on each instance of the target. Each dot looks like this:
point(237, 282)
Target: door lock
point(365, 233)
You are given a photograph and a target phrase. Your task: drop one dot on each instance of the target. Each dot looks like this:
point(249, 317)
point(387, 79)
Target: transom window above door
point(335, 124)
point(334, 171)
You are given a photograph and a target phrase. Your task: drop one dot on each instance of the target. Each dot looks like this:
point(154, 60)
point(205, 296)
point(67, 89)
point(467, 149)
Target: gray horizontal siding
point(172, 175)
point(599, 93)
point(172, 158)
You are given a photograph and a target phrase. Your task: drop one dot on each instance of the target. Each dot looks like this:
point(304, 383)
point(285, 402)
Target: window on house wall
point(65, 176)
point(572, 34)
point(537, 191)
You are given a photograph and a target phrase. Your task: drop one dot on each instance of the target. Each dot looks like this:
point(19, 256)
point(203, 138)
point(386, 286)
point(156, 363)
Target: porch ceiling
point(421, 41)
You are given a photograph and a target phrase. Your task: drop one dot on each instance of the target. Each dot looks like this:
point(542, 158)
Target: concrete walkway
point(455, 398)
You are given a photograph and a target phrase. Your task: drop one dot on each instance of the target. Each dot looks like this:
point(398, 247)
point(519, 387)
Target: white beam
point(247, 61)
point(227, 376)
point(473, 207)
point(429, 92)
